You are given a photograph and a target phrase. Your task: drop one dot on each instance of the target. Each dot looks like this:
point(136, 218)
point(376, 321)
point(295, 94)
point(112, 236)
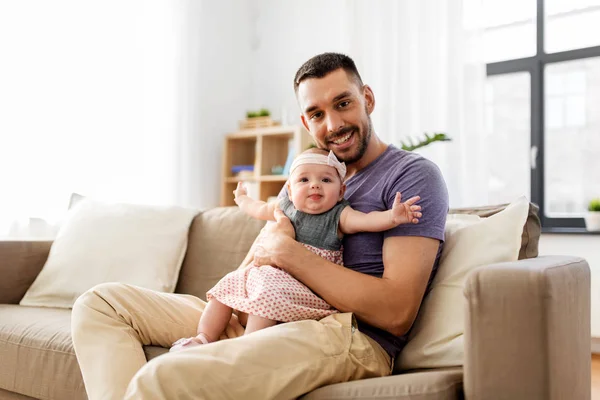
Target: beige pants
point(112, 321)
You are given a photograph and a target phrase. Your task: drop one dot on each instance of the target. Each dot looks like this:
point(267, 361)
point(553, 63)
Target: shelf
point(264, 178)
point(289, 131)
point(263, 148)
point(273, 178)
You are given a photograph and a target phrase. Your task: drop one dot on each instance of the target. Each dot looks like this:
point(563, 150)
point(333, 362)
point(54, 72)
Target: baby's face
point(314, 188)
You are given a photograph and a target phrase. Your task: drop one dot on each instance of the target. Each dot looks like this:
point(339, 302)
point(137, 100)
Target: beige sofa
point(527, 323)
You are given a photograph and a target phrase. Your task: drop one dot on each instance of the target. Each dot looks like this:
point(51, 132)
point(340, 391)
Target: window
point(543, 105)
point(507, 136)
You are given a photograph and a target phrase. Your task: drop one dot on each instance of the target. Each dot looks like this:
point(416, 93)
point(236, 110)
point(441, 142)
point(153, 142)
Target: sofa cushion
point(436, 338)
point(37, 353)
point(218, 241)
point(531, 230)
point(108, 242)
point(439, 384)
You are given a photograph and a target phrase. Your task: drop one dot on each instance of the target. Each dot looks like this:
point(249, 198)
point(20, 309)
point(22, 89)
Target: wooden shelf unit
point(263, 148)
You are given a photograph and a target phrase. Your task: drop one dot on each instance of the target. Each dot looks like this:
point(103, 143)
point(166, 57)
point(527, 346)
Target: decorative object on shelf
point(258, 119)
point(592, 218)
point(437, 137)
point(277, 170)
point(263, 112)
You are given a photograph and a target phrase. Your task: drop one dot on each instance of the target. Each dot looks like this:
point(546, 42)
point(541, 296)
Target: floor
point(596, 377)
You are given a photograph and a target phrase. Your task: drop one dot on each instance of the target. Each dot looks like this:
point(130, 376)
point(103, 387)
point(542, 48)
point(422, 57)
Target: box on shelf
point(257, 122)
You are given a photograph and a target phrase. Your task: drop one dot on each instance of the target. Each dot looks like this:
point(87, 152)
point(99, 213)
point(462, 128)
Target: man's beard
point(362, 144)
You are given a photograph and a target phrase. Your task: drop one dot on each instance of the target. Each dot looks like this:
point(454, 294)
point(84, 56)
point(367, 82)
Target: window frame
point(535, 66)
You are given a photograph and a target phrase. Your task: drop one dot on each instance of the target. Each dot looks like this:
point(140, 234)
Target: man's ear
point(304, 122)
point(342, 191)
point(369, 98)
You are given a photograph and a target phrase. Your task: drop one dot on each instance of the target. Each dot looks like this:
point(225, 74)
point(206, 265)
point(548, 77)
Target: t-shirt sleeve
point(420, 178)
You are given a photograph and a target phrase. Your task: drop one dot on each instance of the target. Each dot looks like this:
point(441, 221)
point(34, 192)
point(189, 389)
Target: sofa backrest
point(220, 238)
point(218, 241)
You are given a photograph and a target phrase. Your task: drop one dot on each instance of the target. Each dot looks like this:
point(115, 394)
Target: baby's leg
point(214, 320)
point(256, 323)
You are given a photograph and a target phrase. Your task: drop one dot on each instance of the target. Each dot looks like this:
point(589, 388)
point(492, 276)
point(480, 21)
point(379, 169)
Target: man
point(378, 292)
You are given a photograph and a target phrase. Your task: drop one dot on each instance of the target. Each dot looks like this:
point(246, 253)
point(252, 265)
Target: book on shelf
point(290, 158)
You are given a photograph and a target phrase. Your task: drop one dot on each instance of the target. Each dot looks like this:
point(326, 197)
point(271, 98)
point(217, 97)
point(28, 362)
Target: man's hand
point(274, 240)
point(407, 212)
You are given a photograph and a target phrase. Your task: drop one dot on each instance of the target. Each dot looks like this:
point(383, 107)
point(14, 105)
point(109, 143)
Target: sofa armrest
point(20, 263)
point(527, 330)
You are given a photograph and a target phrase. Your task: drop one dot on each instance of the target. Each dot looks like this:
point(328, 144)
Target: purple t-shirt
point(374, 188)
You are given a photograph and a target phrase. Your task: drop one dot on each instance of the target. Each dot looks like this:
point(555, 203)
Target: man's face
point(336, 112)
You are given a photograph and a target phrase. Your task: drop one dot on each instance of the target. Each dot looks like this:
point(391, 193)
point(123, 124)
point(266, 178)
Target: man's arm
point(390, 303)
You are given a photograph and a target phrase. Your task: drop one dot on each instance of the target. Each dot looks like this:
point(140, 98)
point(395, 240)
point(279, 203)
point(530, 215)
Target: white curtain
point(92, 97)
point(424, 62)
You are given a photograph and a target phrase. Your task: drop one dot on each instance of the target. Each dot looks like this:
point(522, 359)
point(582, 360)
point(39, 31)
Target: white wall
point(287, 34)
point(585, 246)
point(218, 74)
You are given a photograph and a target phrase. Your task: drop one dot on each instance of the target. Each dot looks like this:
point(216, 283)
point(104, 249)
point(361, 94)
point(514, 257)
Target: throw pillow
point(531, 231)
point(436, 338)
point(101, 242)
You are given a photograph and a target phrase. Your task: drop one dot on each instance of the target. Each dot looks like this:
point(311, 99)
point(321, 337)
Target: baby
point(265, 295)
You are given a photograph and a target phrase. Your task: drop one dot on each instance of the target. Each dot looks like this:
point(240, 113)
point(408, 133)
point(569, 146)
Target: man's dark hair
point(323, 64)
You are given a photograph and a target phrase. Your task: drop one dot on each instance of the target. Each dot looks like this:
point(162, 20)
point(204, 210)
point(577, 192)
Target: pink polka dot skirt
point(272, 293)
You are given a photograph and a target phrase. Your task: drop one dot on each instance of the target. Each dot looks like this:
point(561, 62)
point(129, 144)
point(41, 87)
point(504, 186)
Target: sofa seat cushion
point(37, 353)
point(438, 384)
point(154, 351)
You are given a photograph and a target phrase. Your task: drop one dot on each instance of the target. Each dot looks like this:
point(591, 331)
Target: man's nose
point(334, 122)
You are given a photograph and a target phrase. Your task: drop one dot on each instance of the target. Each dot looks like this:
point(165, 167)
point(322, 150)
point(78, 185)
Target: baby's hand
point(407, 212)
point(239, 191)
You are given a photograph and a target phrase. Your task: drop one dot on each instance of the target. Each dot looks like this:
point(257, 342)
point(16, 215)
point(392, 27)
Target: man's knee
point(91, 296)
point(91, 301)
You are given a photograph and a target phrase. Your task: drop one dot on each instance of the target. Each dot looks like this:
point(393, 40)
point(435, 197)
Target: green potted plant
point(592, 218)
point(409, 145)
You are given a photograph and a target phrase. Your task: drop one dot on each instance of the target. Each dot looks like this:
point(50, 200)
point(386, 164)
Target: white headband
point(313, 158)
